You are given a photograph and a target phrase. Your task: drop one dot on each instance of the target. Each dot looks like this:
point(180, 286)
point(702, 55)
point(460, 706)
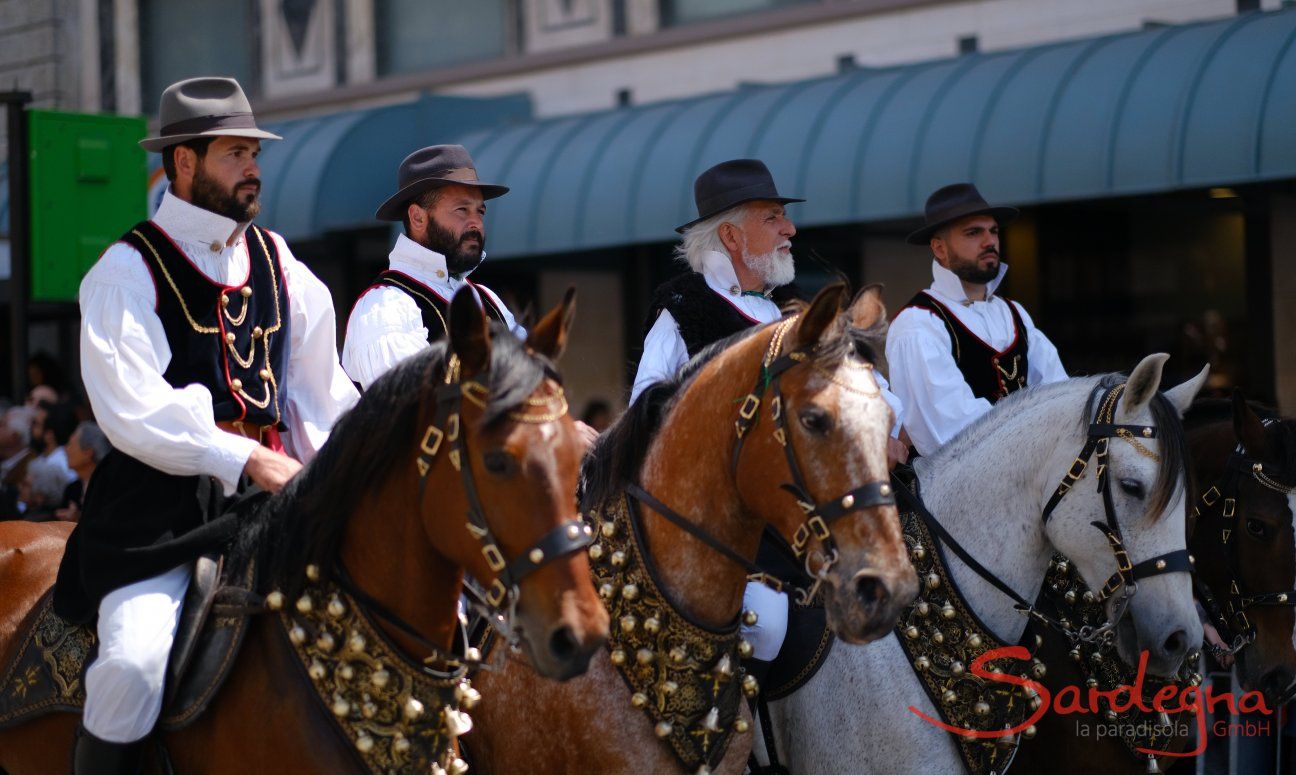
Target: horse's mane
point(615, 459)
point(305, 522)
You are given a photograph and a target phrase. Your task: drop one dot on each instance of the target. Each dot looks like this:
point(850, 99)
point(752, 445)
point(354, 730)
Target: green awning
point(1169, 108)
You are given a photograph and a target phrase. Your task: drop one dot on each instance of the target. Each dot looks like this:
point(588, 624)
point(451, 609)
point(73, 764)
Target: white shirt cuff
point(226, 458)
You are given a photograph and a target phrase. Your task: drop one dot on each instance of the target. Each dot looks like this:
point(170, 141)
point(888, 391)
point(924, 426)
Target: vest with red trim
point(232, 340)
point(434, 309)
point(992, 374)
point(702, 315)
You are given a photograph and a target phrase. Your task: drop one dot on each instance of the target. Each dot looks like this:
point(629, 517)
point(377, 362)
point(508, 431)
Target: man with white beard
point(740, 250)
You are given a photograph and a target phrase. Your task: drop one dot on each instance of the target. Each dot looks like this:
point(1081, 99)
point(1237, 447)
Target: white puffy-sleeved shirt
point(386, 326)
point(664, 351)
point(938, 401)
point(124, 352)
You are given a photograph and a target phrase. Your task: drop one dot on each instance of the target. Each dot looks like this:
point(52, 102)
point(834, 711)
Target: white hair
point(47, 481)
point(704, 237)
point(93, 440)
point(18, 419)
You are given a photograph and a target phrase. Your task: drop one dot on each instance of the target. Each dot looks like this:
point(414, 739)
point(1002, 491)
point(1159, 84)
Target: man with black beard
point(209, 356)
point(441, 204)
point(958, 347)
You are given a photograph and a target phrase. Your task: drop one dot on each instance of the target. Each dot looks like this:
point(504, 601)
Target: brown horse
point(678, 442)
point(358, 510)
point(1260, 556)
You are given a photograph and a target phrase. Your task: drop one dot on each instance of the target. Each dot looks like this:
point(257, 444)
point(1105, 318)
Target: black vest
point(702, 316)
point(434, 309)
point(232, 340)
point(992, 374)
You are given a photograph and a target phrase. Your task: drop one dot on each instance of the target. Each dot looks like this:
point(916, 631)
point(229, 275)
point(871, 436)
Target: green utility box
point(88, 185)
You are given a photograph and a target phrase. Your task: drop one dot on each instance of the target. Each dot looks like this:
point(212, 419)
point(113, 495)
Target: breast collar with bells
point(1232, 623)
point(819, 515)
point(1127, 575)
point(500, 598)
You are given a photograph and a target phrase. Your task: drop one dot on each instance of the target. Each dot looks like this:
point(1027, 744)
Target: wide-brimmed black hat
point(204, 107)
point(955, 201)
point(729, 184)
point(429, 168)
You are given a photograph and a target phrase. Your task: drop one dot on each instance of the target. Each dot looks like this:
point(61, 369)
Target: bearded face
point(462, 251)
point(970, 249)
point(239, 201)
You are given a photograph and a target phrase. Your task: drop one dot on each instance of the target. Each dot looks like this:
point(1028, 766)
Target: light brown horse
point(1260, 556)
point(677, 441)
point(357, 507)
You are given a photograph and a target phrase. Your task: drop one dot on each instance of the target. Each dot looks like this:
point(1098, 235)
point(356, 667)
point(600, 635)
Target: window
point(188, 38)
point(422, 34)
point(674, 12)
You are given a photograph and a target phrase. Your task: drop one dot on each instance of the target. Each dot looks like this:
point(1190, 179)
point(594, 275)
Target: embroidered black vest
point(703, 317)
point(992, 374)
point(232, 340)
point(434, 309)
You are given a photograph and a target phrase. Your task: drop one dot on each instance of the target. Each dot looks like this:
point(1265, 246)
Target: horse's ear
point(549, 336)
point(527, 317)
point(469, 332)
point(1142, 384)
point(819, 316)
point(866, 309)
point(1182, 396)
point(1246, 424)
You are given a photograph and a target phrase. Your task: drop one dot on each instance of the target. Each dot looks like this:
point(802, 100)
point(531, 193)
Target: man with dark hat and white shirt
point(958, 347)
point(740, 250)
point(442, 206)
point(208, 352)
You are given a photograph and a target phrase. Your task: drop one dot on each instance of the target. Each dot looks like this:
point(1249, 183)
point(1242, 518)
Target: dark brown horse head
point(836, 424)
point(523, 455)
point(1261, 551)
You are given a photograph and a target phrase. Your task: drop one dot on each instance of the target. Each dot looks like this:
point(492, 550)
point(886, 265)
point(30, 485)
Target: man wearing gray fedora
point(442, 206)
point(958, 347)
point(208, 352)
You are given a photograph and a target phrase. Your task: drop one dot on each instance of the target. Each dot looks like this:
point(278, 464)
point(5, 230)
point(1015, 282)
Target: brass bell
point(1096, 656)
point(336, 609)
point(1029, 732)
point(628, 623)
point(341, 708)
point(1075, 654)
point(668, 688)
point(652, 625)
point(938, 637)
point(745, 649)
point(923, 608)
point(1035, 702)
point(356, 642)
point(609, 529)
point(981, 708)
point(1063, 567)
point(313, 572)
point(741, 725)
point(317, 671)
point(346, 672)
point(297, 635)
point(922, 663)
point(1089, 597)
point(304, 604)
point(1110, 715)
point(957, 668)
point(400, 744)
point(750, 686)
point(750, 618)
point(723, 667)
point(379, 678)
point(638, 699)
point(644, 656)
point(458, 767)
point(1091, 683)
point(948, 611)
point(933, 581)
point(617, 657)
point(663, 729)
point(596, 552)
point(325, 642)
point(1038, 669)
point(618, 559)
point(275, 600)
point(679, 653)
point(630, 592)
point(364, 743)
point(712, 721)
point(467, 696)
point(949, 697)
point(607, 591)
point(412, 708)
point(457, 722)
point(911, 632)
point(1195, 679)
point(974, 641)
point(1070, 596)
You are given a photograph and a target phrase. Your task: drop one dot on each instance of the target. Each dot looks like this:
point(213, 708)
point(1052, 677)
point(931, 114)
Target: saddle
point(47, 672)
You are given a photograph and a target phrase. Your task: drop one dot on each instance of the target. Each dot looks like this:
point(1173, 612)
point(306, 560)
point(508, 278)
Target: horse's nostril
point(1177, 644)
point(871, 590)
point(563, 644)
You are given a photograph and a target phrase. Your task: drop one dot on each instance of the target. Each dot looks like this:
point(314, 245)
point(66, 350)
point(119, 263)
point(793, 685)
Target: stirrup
point(92, 756)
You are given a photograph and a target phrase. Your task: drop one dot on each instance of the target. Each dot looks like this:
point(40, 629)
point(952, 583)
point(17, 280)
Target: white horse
point(988, 488)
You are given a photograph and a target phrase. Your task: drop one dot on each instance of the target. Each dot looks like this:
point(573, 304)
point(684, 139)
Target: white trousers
point(137, 625)
point(771, 609)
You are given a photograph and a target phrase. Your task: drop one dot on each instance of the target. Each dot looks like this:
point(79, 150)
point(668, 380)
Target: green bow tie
point(757, 294)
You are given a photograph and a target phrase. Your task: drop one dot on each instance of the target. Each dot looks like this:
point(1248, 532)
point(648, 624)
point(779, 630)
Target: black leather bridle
point(819, 514)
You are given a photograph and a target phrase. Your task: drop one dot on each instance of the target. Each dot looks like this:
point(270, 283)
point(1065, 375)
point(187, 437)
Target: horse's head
point(817, 449)
point(509, 455)
point(1248, 532)
point(1132, 442)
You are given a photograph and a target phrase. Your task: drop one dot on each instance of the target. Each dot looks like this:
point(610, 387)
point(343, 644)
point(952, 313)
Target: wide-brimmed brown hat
point(958, 200)
point(204, 107)
point(731, 183)
point(429, 168)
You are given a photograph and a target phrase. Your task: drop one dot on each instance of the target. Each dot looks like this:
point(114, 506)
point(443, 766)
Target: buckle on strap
point(1210, 496)
point(747, 413)
point(773, 582)
point(1076, 471)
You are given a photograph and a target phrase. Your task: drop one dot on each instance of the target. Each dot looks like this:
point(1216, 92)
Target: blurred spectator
point(51, 428)
point(598, 414)
point(41, 491)
point(42, 394)
point(42, 369)
point(15, 454)
point(85, 450)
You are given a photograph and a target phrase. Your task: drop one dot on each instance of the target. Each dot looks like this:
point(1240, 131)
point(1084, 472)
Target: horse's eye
point(499, 463)
point(1132, 488)
point(1257, 528)
point(815, 420)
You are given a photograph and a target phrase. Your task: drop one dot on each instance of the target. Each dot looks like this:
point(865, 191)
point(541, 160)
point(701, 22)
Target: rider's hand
point(586, 433)
point(1213, 638)
point(271, 470)
point(897, 452)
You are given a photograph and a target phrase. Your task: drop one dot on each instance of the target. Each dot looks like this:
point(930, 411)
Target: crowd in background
point(49, 448)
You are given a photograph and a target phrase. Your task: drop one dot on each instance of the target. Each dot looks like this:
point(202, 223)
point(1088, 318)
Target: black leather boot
point(92, 756)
